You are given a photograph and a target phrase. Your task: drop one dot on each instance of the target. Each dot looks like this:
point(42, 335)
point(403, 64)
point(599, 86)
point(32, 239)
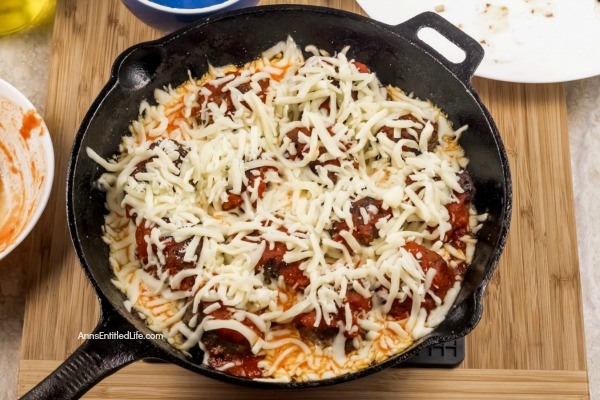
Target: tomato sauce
point(31, 121)
point(362, 68)
point(279, 77)
point(21, 177)
point(174, 120)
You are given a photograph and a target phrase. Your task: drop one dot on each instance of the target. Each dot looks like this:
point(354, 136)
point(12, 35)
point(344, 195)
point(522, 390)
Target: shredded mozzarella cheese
point(212, 178)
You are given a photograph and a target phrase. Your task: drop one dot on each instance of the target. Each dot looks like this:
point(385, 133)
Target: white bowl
point(26, 167)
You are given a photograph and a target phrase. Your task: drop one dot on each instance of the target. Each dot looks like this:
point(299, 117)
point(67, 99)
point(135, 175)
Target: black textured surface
point(443, 355)
point(393, 52)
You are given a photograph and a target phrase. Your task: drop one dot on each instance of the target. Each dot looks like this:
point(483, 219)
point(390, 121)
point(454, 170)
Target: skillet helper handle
point(94, 360)
point(473, 50)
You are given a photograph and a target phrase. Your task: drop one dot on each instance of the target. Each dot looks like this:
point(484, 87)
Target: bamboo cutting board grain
point(530, 343)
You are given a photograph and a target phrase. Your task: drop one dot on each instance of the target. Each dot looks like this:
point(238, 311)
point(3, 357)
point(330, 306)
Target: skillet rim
point(108, 307)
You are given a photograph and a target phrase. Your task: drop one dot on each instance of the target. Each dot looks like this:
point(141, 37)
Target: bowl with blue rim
point(170, 15)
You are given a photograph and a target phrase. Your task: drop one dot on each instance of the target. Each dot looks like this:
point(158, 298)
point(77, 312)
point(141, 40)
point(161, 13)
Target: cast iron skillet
point(398, 57)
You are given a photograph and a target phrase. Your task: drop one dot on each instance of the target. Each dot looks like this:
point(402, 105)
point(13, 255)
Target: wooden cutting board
point(530, 343)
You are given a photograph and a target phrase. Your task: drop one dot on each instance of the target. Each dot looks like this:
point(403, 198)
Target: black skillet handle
point(94, 360)
point(473, 50)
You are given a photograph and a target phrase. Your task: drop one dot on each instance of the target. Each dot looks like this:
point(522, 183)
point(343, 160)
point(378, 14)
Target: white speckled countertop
point(24, 62)
point(24, 59)
point(583, 105)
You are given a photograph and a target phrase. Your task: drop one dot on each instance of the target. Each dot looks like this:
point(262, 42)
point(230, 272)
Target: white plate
point(531, 41)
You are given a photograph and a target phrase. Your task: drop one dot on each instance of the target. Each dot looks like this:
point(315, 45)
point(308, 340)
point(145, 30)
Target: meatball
point(357, 302)
point(229, 335)
point(174, 253)
point(466, 183)
point(220, 96)
point(273, 266)
point(323, 334)
point(253, 175)
point(432, 143)
point(364, 231)
point(141, 231)
point(246, 87)
point(459, 211)
point(301, 148)
point(358, 305)
point(445, 276)
point(226, 346)
point(181, 149)
point(401, 309)
point(233, 201)
point(442, 282)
